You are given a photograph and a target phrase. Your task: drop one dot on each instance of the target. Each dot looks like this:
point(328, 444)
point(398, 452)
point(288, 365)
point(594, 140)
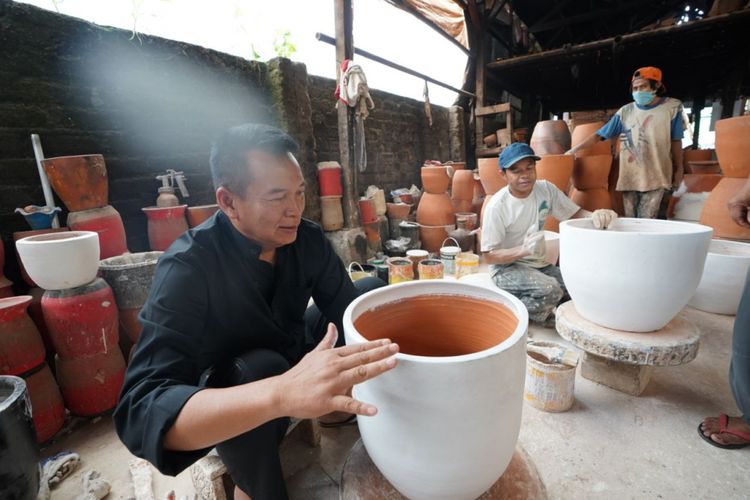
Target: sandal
point(350, 420)
point(724, 429)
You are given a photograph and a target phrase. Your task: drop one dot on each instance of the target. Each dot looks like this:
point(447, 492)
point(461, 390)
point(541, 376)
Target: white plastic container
point(720, 288)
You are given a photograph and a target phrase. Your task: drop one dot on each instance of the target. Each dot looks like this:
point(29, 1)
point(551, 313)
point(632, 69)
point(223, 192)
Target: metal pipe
point(369, 55)
point(49, 200)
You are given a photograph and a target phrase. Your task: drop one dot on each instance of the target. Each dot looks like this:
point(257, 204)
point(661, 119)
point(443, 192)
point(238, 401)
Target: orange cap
point(649, 73)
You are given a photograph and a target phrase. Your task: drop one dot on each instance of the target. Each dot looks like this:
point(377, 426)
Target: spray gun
point(167, 198)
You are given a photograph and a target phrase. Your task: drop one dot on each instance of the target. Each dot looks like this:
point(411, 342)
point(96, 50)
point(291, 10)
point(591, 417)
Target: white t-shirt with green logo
point(507, 219)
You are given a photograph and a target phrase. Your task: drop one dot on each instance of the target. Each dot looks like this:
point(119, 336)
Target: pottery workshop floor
point(609, 445)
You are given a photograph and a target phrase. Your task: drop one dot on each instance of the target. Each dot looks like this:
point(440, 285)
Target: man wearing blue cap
point(513, 236)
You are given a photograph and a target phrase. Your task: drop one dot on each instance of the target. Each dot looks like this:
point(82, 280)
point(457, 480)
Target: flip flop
point(350, 420)
point(723, 428)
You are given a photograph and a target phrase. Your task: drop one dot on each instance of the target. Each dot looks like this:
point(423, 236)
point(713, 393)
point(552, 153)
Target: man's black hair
point(228, 158)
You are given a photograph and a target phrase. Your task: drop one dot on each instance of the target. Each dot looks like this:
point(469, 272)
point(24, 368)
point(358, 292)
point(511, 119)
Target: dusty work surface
point(608, 446)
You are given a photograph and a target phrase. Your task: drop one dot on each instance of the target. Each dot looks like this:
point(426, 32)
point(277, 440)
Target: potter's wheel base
point(624, 360)
point(361, 480)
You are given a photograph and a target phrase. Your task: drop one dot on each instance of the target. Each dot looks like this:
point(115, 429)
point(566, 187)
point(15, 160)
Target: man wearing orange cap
point(650, 130)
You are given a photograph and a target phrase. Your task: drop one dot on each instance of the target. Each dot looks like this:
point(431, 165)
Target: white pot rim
point(738, 245)
point(57, 237)
point(652, 227)
point(447, 288)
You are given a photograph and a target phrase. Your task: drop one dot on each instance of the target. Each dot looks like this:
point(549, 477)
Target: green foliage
point(283, 45)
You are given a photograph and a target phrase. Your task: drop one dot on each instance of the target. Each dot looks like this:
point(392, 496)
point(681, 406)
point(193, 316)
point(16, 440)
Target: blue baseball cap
point(516, 151)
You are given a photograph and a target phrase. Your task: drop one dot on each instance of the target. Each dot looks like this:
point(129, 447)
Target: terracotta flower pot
point(582, 132)
point(720, 288)
point(398, 210)
point(556, 169)
point(702, 167)
point(80, 181)
point(689, 155)
point(635, 276)
point(461, 205)
point(733, 146)
point(432, 236)
point(550, 137)
point(449, 332)
point(592, 199)
point(592, 172)
point(490, 176)
point(196, 215)
point(435, 179)
point(367, 211)
point(165, 224)
point(435, 210)
point(62, 260)
point(463, 185)
point(716, 214)
point(107, 223)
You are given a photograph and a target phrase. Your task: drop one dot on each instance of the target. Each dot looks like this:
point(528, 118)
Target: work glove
point(532, 243)
point(603, 218)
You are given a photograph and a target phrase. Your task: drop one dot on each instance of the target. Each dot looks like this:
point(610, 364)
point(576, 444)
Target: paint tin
point(381, 267)
point(400, 269)
point(361, 271)
point(466, 263)
point(549, 386)
point(431, 269)
point(448, 256)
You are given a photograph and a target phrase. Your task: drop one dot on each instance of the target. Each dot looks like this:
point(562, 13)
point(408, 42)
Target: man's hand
point(319, 384)
point(532, 242)
point(739, 204)
point(603, 218)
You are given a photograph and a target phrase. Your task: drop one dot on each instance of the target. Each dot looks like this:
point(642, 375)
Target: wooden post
point(345, 50)
point(698, 104)
point(480, 62)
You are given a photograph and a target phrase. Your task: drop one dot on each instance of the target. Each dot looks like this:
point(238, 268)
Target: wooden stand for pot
point(361, 480)
point(624, 360)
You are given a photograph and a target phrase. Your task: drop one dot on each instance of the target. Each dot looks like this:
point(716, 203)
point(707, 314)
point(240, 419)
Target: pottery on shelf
point(196, 215)
point(733, 146)
point(592, 172)
point(550, 137)
point(107, 223)
point(582, 132)
point(165, 224)
point(592, 199)
point(435, 210)
point(720, 288)
point(556, 169)
point(716, 214)
point(449, 413)
point(490, 176)
point(436, 179)
point(635, 276)
point(56, 261)
point(80, 181)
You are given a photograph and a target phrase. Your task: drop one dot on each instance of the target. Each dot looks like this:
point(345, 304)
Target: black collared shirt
point(212, 299)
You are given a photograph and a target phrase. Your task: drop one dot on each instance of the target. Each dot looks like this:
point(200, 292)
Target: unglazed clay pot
point(556, 169)
point(689, 155)
point(582, 132)
point(435, 179)
point(720, 288)
point(702, 167)
point(398, 210)
point(550, 137)
point(450, 411)
point(463, 185)
point(57, 261)
point(592, 172)
point(716, 214)
point(80, 181)
point(635, 276)
point(432, 236)
point(490, 176)
point(592, 199)
point(435, 210)
point(733, 146)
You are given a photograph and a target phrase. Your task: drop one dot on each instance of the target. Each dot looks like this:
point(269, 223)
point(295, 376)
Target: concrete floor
point(609, 445)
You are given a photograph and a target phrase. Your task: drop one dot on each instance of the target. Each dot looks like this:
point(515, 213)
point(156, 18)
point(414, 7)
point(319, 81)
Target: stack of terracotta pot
point(435, 210)
point(80, 312)
point(733, 152)
point(22, 354)
point(369, 219)
point(81, 183)
point(557, 169)
point(331, 193)
point(591, 170)
point(462, 190)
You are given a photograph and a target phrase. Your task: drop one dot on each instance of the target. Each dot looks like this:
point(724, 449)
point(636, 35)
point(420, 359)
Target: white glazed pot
point(635, 276)
point(56, 261)
point(552, 247)
point(447, 422)
point(720, 288)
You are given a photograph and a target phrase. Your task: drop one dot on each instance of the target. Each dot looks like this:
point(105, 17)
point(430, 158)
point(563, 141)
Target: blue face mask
point(642, 98)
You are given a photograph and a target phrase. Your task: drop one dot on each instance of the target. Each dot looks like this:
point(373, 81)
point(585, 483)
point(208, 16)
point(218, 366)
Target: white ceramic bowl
point(720, 288)
point(447, 425)
point(56, 261)
point(635, 276)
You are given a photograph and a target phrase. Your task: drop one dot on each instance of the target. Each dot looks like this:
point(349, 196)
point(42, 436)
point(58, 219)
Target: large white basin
point(720, 288)
point(449, 415)
point(635, 276)
point(56, 261)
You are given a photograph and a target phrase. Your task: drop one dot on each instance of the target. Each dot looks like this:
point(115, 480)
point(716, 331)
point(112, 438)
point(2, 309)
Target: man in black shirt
point(225, 356)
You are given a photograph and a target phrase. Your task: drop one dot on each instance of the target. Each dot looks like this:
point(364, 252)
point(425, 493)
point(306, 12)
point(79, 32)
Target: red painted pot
point(105, 221)
point(21, 346)
point(90, 385)
point(197, 215)
point(329, 180)
point(165, 224)
point(37, 316)
point(367, 211)
point(47, 406)
point(80, 181)
point(6, 287)
point(24, 234)
point(82, 321)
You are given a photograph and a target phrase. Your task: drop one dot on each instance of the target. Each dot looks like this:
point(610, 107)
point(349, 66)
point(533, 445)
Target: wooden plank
point(493, 110)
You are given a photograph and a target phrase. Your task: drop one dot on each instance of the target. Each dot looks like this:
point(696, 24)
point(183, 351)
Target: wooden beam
point(493, 110)
point(345, 50)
